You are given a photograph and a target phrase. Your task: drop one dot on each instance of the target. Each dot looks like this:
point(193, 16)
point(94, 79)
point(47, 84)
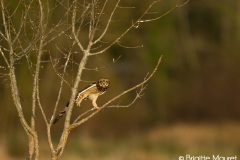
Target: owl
point(91, 92)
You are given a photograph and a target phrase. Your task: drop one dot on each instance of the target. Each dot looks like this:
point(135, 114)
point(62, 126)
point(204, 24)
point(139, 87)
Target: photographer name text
point(204, 157)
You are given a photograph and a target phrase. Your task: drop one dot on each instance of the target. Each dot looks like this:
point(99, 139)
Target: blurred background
point(190, 106)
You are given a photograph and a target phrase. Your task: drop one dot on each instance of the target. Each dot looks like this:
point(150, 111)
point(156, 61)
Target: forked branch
point(141, 85)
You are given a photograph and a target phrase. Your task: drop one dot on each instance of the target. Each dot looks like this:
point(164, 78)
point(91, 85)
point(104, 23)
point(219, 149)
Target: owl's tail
point(61, 114)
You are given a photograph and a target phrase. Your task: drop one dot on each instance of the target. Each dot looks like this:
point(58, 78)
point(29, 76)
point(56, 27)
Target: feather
point(91, 92)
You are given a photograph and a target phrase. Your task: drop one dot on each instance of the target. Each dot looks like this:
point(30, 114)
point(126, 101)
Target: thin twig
point(61, 84)
point(73, 26)
point(102, 67)
point(108, 23)
point(138, 95)
point(77, 123)
point(4, 57)
point(136, 24)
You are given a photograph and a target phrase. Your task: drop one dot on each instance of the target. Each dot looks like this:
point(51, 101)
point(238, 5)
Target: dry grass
point(164, 142)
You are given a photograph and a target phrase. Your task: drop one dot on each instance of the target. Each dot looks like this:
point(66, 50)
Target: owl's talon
point(90, 92)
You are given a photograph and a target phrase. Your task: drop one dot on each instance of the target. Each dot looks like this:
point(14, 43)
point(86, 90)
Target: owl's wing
point(83, 94)
point(86, 89)
point(80, 96)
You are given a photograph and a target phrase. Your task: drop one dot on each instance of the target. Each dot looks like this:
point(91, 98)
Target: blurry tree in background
point(47, 46)
point(204, 72)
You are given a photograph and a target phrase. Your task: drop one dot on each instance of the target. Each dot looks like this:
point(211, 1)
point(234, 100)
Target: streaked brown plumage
point(90, 92)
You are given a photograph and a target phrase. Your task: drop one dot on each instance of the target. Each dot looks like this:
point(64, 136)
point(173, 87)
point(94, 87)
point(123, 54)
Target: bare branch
point(61, 85)
point(82, 115)
point(4, 22)
point(138, 95)
point(2, 35)
point(15, 10)
point(17, 34)
point(41, 108)
point(76, 123)
point(61, 75)
point(166, 13)
point(183, 4)
point(37, 70)
point(60, 23)
point(73, 26)
point(82, 18)
point(35, 92)
point(136, 24)
point(124, 46)
point(66, 130)
point(108, 23)
point(102, 67)
point(28, 32)
point(12, 75)
point(4, 57)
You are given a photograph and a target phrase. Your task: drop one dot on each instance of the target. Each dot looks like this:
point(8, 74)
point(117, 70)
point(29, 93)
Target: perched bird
point(90, 92)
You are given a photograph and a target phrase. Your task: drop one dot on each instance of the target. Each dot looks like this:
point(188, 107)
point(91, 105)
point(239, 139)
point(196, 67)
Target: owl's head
point(103, 84)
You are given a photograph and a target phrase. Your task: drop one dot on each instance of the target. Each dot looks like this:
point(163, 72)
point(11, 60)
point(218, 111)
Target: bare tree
point(27, 31)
